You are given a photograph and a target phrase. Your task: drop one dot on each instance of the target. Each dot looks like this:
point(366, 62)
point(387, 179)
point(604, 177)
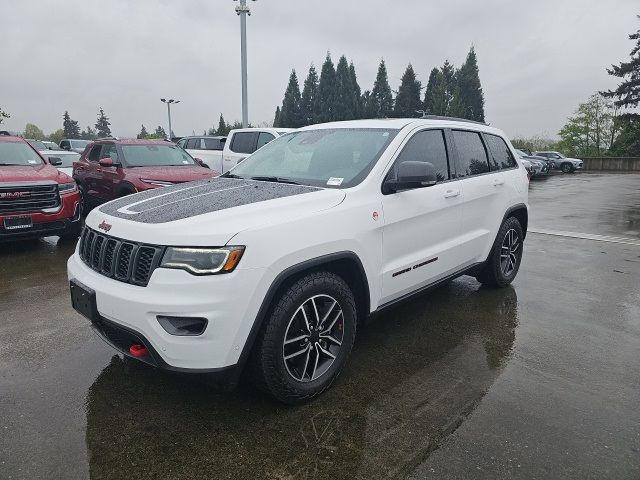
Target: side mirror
point(201, 163)
point(108, 162)
point(55, 161)
point(66, 147)
point(410, 175)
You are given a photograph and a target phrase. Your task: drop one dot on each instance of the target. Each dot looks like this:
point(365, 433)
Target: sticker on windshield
point(335, 181)
point(186, 162)
point(33, 161)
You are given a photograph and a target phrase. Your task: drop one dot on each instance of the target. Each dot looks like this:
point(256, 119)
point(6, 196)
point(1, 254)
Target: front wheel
point(503, 263)
point(566, 168)
point(307, 338)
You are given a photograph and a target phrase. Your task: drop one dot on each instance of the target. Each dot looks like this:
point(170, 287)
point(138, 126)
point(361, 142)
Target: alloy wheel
point(509, 252)
point(313, 338)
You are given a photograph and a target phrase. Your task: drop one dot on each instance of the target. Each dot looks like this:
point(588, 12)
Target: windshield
point(156, 156)
point(521, 153)
point(67, 159)
point(79, 143)
point(340, 157)
point(37, 144)
point(18, 154)
point(560, 155)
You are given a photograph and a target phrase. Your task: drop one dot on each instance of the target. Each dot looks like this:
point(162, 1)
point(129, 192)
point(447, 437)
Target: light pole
point(169, 102)
point(242, 10)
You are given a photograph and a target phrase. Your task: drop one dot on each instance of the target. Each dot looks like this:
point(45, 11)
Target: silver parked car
point(560, 162)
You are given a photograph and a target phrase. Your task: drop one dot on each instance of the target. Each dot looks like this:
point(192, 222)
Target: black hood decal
point(197, 198)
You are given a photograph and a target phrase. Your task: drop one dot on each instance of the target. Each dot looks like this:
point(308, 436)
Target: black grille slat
point(118, 259)
point(28, 198)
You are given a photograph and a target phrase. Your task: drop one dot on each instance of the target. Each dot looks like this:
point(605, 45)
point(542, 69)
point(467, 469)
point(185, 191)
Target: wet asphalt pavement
point(539, 380)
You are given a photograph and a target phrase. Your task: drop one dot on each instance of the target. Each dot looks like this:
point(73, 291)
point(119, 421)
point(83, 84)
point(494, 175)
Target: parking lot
point(538, 380)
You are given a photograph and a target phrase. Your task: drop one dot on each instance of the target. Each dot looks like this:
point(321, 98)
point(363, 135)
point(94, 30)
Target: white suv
point(277, 262)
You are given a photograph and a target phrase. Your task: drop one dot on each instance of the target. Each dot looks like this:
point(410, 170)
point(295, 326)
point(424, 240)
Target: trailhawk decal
point(177, 202)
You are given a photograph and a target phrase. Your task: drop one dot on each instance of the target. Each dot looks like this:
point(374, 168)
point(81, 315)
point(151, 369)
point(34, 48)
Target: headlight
point(202, 261)
point(158, 183)
point(67, 187)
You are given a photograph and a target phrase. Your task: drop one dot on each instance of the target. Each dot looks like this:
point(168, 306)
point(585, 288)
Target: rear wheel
point(504, 260)
point(307, 338)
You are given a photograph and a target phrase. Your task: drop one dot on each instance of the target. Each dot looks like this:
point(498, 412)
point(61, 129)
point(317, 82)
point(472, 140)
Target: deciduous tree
point(33, 131)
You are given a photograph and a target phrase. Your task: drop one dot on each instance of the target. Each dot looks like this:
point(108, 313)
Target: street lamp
point(242, 10)
point(169, 102)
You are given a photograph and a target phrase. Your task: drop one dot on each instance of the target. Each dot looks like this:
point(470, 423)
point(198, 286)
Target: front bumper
point(46, 224)
point(128, 314)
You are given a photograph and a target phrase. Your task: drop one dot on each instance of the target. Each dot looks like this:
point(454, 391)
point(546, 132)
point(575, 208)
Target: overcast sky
point(538, 59)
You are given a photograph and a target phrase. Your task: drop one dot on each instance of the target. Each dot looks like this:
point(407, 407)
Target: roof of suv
point(399, 123)
point(12, 139)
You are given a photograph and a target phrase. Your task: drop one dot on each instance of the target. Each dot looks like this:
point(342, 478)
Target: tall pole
point(169, 102)
point(242, 10)
point(169, 114)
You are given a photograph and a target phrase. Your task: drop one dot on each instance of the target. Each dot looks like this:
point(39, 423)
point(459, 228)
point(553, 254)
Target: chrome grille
point(119, 259)
point(28, 198)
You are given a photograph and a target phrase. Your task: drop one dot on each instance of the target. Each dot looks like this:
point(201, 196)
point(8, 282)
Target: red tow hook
point(137, 350)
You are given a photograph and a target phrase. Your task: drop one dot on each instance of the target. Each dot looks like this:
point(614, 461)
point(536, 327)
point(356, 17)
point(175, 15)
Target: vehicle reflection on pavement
point(416, 373)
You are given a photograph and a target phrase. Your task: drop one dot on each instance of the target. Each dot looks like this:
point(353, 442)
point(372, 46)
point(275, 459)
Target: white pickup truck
point(223, 153)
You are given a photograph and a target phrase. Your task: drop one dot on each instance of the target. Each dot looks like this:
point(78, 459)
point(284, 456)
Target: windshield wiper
point(274, 179)
point(230, 175)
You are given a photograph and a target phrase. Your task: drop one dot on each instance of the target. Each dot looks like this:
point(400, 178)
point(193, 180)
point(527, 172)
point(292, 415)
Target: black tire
point(125, 191)
point(493, 273)
point(271, 371)
point(566, 168)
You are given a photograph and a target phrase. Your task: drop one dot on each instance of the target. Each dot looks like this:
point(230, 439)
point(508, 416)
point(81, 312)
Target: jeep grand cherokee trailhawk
point(275, 264)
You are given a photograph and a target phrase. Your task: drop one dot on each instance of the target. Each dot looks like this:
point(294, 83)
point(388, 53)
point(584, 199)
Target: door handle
point(451, 193)
point(498, 181)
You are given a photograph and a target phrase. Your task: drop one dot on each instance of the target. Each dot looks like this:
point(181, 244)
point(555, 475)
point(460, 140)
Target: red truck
point(36, 200)
point(112, 168)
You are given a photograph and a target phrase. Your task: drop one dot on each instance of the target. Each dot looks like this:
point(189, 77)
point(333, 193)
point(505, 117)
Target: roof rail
point(453, 119)
point(106, 138)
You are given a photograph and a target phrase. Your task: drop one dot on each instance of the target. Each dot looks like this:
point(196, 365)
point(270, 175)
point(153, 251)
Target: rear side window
point(502, 157)
point(193, 144)
point(263, 139)
point(212, 144)
point(472, 156)
point(244, 142)
point(94, 154)
point(427, 146)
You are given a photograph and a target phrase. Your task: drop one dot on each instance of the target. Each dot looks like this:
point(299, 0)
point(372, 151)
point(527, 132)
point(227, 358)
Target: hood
point(35, 173)
point(573, 160)
point(210, 212)
point(173, 174)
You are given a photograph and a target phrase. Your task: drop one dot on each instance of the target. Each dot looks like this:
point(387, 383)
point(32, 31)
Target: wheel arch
point(345, 264)
point(521, 213)
point(125, 188)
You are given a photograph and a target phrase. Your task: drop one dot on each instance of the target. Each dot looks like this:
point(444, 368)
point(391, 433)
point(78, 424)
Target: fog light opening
point(183, 326)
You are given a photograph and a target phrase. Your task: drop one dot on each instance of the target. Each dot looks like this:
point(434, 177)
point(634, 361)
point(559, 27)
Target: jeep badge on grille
point(104, 226)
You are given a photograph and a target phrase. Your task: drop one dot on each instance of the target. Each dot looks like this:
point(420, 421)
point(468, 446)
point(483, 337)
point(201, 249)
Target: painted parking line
point(586, 236)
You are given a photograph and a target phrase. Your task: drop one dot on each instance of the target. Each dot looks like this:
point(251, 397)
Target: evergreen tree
point(3, 115)
point(357, 93)
point(290, 112)
point(627, 94)
point(381, 93)
point(276, 118)
point(308, 101)
point(223, 127)
point(326, 91)
point(88, 134)
point(457, 107)
point(408, 97)
point(160, 133)
point(102, 125)
point(430, 103)
point(627, 143)
point(448, 86)
point(70, 127)
point(344, 104)
point(471, 95)
point(369, 107)
point(143, 133)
